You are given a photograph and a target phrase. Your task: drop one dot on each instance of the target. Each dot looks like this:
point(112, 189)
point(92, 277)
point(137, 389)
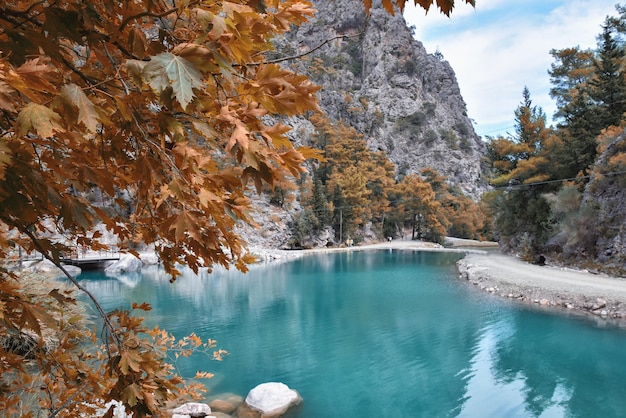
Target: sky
point(501, 46)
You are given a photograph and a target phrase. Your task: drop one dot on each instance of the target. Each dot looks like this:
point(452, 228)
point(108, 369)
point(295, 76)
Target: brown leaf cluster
point(444, 6)
point(160, 108)
point(165, 111)
point(165, 103)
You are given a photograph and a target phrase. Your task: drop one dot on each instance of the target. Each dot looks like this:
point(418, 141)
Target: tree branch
point(23, 14)
point(56, 262)
point(295, 57)
point(148, 13)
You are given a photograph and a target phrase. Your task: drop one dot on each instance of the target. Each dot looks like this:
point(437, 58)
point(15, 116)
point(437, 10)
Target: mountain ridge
point(380, 80)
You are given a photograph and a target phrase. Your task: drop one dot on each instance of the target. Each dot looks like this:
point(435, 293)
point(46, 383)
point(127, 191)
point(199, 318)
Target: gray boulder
point(192, 410)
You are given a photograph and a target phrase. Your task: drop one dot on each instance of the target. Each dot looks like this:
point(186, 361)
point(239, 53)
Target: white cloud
point(503, 46)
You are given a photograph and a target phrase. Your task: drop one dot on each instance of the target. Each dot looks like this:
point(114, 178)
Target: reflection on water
point(385, 334)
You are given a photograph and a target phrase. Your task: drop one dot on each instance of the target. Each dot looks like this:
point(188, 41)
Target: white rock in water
point(44, 266)
point(73, 270)
point(272, 398)
point(127, 262)
point(149, 259)
point(192, 409)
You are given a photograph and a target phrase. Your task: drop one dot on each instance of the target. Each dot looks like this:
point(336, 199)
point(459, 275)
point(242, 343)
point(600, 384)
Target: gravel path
point(546, 286)
point(512, 278)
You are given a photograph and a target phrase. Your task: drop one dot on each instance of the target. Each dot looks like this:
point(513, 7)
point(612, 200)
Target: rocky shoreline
point(556, 288)
point(573, 292)
point(267, 400)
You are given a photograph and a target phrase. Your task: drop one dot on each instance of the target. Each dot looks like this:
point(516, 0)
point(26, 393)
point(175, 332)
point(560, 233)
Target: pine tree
point(522, 158)
point(569, 75)
point(523, 219)
point(578, 114)
point(320, 204)
point(608, 88)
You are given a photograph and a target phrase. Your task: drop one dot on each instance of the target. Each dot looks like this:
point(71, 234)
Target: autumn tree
point(357, 179)
point(572, 69)
point(420, 209)
point(521, 168)
point(381, 181)
point(520, 158)
point(548, 186)
point(167, 103)
point(315, 215)
point(589, 90)
point(350, 186)
point(466, 218)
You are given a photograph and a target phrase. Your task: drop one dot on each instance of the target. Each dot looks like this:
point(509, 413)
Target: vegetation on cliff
point(559, 189)
point(357, 193)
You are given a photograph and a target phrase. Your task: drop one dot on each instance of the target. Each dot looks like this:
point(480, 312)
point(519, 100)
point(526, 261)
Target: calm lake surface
point(383, 334)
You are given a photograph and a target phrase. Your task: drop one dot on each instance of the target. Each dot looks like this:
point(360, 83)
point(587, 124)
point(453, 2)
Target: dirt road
point(510, 277)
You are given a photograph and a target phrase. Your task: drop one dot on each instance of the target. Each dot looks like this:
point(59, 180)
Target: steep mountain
point(380, 80)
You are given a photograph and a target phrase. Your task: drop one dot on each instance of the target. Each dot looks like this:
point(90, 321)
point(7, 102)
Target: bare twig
point(310, 51)
point(57, 263)
point(69, 400)
point(148, 13)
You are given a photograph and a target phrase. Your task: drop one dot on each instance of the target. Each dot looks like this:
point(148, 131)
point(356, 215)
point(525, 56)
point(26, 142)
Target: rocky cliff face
point(380, 80)
point(605, 199)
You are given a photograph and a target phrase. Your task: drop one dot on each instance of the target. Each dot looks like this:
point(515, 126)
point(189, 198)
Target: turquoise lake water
point(384, 334)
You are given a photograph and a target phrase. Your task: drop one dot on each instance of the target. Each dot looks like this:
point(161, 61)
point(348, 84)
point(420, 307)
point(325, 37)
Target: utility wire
point(537, 183)
point(516, 186)
point(496, 130)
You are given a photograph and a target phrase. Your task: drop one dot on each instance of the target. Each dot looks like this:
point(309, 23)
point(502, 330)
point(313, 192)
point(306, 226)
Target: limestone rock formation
point(126, 263)
point(605, 195)
point(272, 399)
point(191, 410)
point(380, 80)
